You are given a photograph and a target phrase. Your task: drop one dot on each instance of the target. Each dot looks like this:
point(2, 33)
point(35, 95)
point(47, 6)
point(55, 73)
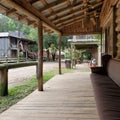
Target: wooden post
point(114, 33)
point(101, 48)
point(40, 56)
point(60, 41)
point(4, 82)
point(71, 52)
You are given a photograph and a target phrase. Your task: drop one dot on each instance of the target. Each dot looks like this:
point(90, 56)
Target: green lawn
point(19, 92)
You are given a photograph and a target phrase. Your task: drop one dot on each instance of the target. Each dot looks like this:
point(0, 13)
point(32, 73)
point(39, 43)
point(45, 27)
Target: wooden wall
point(108, 24)
point(83, 27)
point(4, 47)
point(118, 29)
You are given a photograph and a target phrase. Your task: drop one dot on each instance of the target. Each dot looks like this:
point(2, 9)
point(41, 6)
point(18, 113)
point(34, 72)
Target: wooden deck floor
point(65, 97)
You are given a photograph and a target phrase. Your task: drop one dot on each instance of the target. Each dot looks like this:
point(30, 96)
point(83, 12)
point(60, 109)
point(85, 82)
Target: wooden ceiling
point(68, 17)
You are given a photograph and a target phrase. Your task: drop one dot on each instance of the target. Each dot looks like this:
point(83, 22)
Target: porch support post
point(101, 43)
point(60, 41)
point(40, 56)
point(4, 82)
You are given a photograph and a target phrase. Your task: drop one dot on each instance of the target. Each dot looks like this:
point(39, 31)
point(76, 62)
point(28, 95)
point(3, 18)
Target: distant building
point(11, 43)
point(87, 42)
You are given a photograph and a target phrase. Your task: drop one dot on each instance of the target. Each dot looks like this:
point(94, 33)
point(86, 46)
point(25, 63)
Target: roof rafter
point(22, 17)
point(34, 1)
point(4, 8)
point(45, 4)
point(76, 19)
point(67, 8)
point(71, 10)
point(53, 4)
point(75, 11)
point(11, 11)
point(31, 12)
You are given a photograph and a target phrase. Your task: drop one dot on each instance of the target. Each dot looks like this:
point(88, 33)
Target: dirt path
point(19, 75)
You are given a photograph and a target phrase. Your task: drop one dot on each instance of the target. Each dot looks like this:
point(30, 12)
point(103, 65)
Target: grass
point(19, 92)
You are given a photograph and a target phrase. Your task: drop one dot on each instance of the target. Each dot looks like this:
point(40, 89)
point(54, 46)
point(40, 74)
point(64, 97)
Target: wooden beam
point(64, 9)
point(4, 8)
point(31, 22)
point(60, 42)
point(22, 17)
point(22, 10)
point(4, 82)
point(34, 1)
point(11, 11)
point(50, 9)
point(40, 56)
point(4, 74)
point(28, 10)
point(74, 2)
point(75, 11)
point(71, 9)
point(53, 4)
point(38, 14)
point(71, 21)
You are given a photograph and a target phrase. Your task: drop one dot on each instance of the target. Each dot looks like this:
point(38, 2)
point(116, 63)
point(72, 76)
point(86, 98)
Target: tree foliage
point(7, 24)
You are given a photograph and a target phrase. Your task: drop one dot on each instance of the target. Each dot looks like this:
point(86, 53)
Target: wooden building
point(10, 43)
point(86, 42)
point(68, 17)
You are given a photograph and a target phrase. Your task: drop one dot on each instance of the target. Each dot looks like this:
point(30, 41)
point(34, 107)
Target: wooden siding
point(4, 47)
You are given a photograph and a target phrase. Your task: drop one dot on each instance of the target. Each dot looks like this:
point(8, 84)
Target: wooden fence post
point(4, 82)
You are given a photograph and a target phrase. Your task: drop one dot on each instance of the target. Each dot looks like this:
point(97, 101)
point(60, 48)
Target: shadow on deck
point(65, 97)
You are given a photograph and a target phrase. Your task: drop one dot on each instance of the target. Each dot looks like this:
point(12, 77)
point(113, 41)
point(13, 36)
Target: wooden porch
point(65, 97)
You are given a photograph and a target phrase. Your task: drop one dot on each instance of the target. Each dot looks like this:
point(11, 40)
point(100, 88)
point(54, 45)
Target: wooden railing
point(4, 74)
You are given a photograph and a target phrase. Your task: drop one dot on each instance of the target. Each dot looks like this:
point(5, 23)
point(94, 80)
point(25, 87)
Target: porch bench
point(107, 90)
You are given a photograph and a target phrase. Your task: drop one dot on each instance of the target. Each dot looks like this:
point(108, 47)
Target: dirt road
point(19, 75)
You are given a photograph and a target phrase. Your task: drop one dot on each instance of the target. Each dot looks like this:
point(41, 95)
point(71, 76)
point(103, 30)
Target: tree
point(11, 25)
point(48, 39)
point(65, 43)
point(3, 23)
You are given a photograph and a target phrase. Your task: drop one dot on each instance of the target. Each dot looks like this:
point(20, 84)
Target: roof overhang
point(67, 17)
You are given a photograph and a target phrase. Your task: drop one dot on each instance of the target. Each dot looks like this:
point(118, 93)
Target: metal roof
point(60, 15)
point(18, 35)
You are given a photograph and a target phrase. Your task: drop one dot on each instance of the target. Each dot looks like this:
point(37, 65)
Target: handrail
point(16, 65)
point(4, 74)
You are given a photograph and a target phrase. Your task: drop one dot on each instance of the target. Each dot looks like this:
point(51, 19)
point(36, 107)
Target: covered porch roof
point(68, 17)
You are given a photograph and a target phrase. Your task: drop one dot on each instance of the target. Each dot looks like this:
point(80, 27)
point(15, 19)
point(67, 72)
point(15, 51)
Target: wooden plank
point(28, 7)
point(106, 11)
point(4, 74)
point(50, 9)
point(11, 11)
point(78, 11)
point(21, 9)
point(66, 97)
point(22, 64)
point(31, 12)
point(40, 56)
point(64, 9)
point(53, 4)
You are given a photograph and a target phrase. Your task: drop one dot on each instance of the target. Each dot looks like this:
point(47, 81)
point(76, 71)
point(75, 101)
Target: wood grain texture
point(65, 97)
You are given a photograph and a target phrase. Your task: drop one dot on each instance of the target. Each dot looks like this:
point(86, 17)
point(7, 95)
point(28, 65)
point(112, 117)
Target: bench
point(106, 84)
